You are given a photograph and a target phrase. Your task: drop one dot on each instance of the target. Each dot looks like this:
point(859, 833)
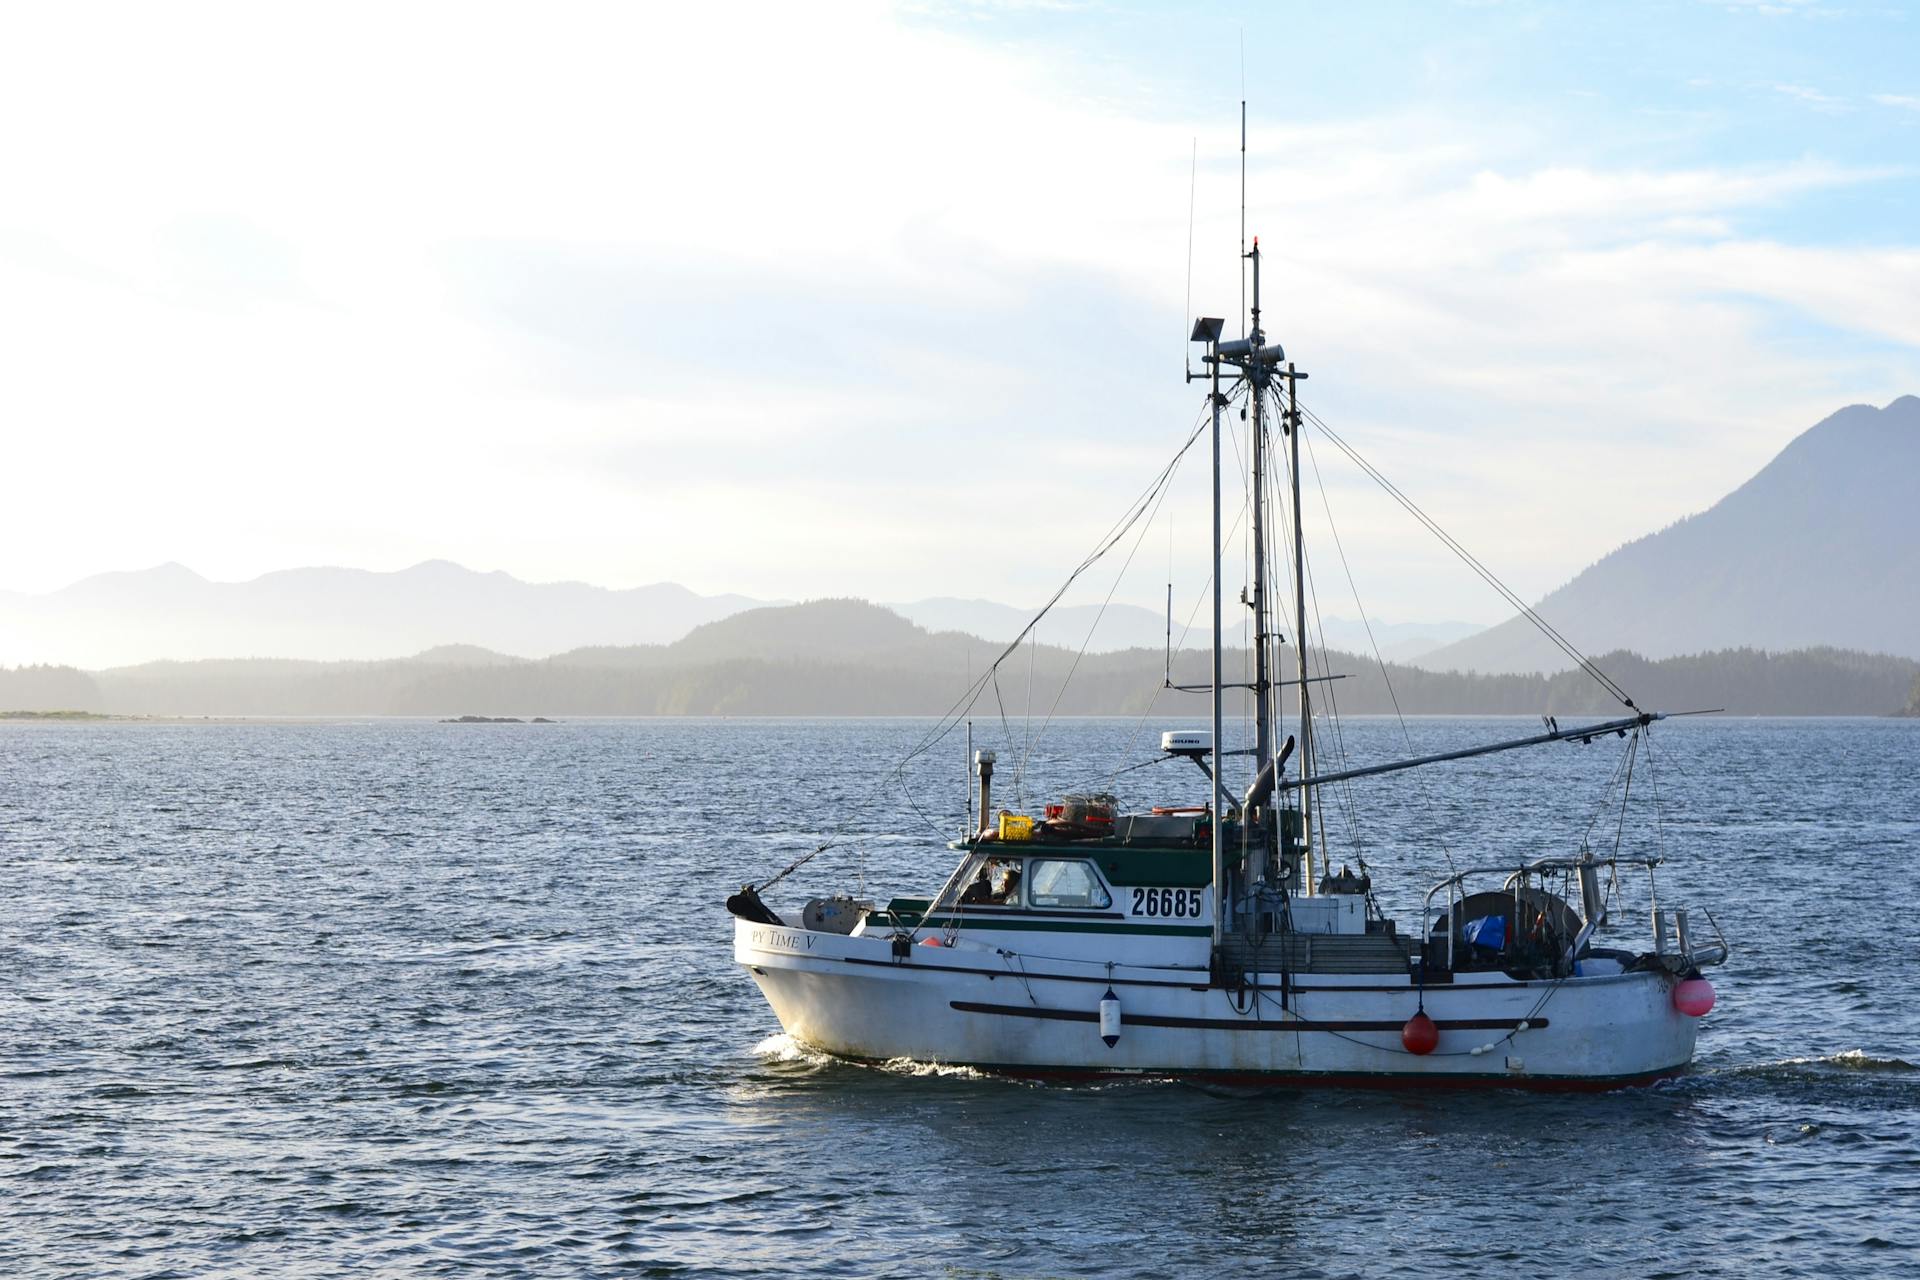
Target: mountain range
point(333, 614)
point(1816, 551)
point(117, 619)
point(1128, 626)
point(847, 657)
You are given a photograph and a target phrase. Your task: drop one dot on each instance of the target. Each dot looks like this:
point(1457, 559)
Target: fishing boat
point(1208, 938)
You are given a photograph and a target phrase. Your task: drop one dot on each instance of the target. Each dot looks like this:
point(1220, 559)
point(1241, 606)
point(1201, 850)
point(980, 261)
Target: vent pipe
point(983, 761)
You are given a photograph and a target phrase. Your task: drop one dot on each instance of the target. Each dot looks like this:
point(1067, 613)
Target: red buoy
point(1420, 1035)
point(1693, 997)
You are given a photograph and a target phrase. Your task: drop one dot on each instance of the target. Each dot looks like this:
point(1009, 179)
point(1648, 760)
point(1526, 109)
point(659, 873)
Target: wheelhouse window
point(995, 884)
point(1057, 882)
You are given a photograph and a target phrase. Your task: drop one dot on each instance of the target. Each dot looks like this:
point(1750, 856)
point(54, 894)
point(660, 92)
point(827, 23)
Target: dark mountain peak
point(1811, 550)
point(1900, 415)
point(817, 628)
point(1859, 445)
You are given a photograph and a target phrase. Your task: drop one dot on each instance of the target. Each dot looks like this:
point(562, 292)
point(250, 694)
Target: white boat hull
point(986, 1008)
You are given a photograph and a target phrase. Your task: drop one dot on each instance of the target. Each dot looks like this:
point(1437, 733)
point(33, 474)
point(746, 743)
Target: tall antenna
point(1193, 182)
point(1243, 188)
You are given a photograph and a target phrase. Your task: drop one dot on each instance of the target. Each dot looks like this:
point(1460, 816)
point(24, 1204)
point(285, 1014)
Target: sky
point(890, 300)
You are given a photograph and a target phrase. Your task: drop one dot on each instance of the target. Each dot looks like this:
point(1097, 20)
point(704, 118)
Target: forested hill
point(843, 657)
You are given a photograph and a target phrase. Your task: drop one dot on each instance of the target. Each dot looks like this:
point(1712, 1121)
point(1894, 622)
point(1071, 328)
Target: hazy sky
point(888, 301)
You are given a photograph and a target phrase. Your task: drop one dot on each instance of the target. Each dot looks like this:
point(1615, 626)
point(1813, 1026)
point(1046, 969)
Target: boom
point(1585, 733)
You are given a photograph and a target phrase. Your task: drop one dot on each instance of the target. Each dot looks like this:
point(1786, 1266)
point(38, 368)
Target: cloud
point(1812, 97)
point(836, 302)
point(1782, 8)
point(1904, 101)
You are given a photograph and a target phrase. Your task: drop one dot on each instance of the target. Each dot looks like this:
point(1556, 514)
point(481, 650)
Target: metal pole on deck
point(1207, 329)
point(1219, 816)
point(1300, 639)
point(1262, 727)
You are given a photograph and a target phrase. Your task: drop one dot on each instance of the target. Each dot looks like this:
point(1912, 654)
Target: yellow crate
point(1015, 826)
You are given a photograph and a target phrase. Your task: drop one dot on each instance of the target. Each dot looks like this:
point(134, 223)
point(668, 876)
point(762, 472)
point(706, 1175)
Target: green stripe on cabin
point(912, 920)
point(1144, 866)
point(1155, 868)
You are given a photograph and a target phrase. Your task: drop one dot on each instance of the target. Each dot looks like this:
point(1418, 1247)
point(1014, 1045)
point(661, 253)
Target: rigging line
point(1626, 794)
point(1240, 518)
point(1468, 558)
point(1349, 807)
point(1091, 781)
point(1129, 745)
point(1348, 800)
point(1033, 657)
point(1653, 781)
point(1108, 541)
point(1487, 575)
point(953, 716)
point(1004, 726)
point(906, 793)
point(1343, 797)
point(1102, 613)
point(1532, 616)
point(1385, 677)
point(1333, 529)
point(946, 723)
point(1606, 795)
point(1133, 736)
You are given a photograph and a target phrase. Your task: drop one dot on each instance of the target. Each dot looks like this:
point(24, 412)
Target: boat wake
point(783, 1048)
point(1850, 1060)
point(914, 1067)
point(1853, 1060)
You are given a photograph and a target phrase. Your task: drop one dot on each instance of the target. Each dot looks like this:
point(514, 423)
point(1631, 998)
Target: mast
point(1258, 364)
point(1207, 329)
point(1300, 638)
point(1257, 375)
point(1219, 817)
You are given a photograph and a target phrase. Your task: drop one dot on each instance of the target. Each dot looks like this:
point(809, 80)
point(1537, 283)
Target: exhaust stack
point(983, 761)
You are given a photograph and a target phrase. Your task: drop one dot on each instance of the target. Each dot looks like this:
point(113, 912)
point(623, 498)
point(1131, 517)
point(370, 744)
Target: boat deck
point(1317, 953)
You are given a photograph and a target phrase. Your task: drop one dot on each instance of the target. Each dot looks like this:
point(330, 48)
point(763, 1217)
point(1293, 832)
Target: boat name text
point(781, 941)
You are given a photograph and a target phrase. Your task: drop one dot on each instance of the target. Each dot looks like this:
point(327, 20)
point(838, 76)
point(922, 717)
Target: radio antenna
point(1243, 179)
point(1186, 325)
point(1243, 184)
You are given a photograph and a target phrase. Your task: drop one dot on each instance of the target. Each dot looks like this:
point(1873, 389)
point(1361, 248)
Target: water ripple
point(400, 998)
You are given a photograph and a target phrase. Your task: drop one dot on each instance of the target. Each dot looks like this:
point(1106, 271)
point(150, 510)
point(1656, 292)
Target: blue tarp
point(1488, 931)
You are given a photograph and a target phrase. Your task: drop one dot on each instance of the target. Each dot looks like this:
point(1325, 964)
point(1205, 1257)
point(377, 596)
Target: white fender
point(1110, 1018)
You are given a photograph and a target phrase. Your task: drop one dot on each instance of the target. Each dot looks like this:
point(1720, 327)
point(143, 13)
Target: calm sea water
point(418, 999)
